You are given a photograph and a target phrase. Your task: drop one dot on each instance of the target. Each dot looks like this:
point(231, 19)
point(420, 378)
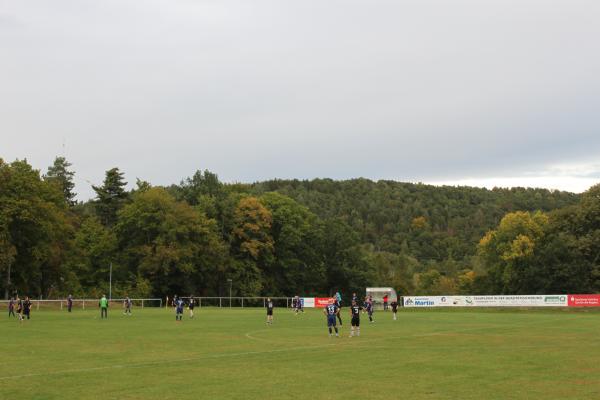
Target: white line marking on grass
point(161, 362)
point(248, 353)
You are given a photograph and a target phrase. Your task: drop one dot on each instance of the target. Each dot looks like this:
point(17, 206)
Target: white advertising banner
point(435, 301)
point(487, 301)
point(308, 302)
point(540, 300)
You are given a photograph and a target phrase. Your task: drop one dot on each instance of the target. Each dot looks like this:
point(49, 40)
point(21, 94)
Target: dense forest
point(288, 237)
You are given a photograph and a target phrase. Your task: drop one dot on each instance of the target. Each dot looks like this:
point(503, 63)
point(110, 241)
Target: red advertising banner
point(584, 300)
point(323, 301)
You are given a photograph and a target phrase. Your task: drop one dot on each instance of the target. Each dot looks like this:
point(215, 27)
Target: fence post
point(242, 302)
point(220, 302)
point(142, 303)
point(200, 302)
point(264, 302)
point(61, 305)
point(84, 304)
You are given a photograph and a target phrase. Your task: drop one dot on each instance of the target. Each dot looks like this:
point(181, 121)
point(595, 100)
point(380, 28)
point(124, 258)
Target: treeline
point(289, 237)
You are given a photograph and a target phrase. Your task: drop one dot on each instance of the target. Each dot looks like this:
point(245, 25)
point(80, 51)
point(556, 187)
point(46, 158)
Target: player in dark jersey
point(355, 315)
point(179, 303)
point(11, 307)
point(69, 303)
point(127, 306)
point(191, 305)
point(298, 305)
point(394, 305)
point(270, 307)
point(370, 310)
point(331, 311)
point(338, 302)
point(27, 307)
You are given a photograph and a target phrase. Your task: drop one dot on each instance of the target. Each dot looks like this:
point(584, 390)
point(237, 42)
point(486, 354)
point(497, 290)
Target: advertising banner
point(584, 300)
point(435, 301)
point(308, 302)
point(487, 301)
point(518, 301)
point(323, 301)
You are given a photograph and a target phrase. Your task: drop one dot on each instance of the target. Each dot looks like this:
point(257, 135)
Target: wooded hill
point(287, 237)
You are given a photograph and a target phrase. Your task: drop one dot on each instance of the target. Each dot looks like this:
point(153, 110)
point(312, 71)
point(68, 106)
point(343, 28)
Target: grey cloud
point(409, 90)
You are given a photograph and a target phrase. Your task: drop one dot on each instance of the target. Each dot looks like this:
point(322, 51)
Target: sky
point(479, 92)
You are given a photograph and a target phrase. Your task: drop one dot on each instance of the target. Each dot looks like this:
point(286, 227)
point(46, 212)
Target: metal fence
point(93, 303)
point(230, 302)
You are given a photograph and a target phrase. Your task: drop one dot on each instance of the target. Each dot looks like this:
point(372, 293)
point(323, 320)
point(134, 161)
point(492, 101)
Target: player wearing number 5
point(332, 311)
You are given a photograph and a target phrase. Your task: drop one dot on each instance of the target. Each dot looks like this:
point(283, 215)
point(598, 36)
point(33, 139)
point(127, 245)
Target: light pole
point(110, 283)
point(230, 285)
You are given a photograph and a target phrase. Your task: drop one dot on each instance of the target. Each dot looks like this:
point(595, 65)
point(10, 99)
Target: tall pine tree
point(60, 175)
point(110, 197)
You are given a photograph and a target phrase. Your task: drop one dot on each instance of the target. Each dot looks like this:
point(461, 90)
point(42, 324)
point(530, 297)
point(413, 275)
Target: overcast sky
point(476, 92)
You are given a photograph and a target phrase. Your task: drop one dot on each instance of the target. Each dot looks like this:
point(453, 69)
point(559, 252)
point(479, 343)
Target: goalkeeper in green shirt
point(103, 304)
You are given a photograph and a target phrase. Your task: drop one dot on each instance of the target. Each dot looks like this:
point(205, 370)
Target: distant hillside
point(432, 222)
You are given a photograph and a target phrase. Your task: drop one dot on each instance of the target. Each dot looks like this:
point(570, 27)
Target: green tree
point(509, 252)
point(168, 243)
point(60, 174)
point(111, 196)
point(297, 267)
point(35, 230)
point(252, 245)
point(7, 254)
point(347, 264)
point(96, 249)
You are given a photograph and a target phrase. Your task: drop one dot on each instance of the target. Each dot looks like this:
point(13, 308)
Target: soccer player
point(370, 310)
point(19, 308)
point(179, 303)
point(191, 305)
point(69, 303)
point(103, 304)
point(385, 302)
point(127, 303)
point(27, 307)
point(394, 305)
point(298, 305)
point(331, 311)
point(355, 314)
point(269, 311)
point(295, 304)
point(338, 302)
point(11, 307)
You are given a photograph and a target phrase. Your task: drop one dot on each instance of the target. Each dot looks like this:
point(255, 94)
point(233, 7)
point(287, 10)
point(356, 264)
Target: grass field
point(232, 354)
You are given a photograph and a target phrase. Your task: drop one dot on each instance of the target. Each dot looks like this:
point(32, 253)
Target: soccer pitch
point(232, 354)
